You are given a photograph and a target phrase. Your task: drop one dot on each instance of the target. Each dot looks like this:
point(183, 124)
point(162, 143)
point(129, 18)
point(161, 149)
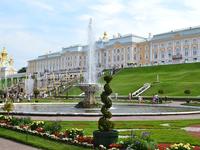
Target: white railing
point(141, 90)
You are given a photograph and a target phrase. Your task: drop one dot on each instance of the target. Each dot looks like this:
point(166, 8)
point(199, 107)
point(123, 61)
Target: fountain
point(90, 87)
point(29, 85)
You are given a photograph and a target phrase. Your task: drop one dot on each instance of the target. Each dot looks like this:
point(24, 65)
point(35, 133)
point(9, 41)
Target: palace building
point(179, 46)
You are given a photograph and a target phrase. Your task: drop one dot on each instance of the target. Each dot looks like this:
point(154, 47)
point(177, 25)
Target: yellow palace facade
point(179, 46)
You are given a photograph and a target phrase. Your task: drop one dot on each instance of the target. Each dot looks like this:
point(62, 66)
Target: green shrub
point(142, 142)
point(73, 133)
point(20, 121)
point(187, 92)
point(161, 91)
point(36, 92)
point(37, 124)
point(6, 118)
point(53, 127)
point(104, 124)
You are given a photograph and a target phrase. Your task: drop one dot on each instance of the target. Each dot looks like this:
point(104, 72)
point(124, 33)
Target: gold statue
point(105, 36)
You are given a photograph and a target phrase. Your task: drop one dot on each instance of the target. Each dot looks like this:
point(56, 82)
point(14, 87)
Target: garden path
point(11, 145)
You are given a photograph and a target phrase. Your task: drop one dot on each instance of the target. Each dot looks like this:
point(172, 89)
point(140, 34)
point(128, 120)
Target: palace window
point(169, 43)
point(135, 49)
point(117, 57)
point(122, 57)
point(169, 53)
point(146, 55)
point(194, 41)
point(128, 50)
point(178, 43)
point(194, 50)
point(109, 58)
point(162, 45)
point(118, 51)
point(114, 58)
point(135, 57)
point(155, 55)
point(178, 51)
point(186, 51)
point(186, 42)
point(155, 46)
point(128, 56)
point(162, 54)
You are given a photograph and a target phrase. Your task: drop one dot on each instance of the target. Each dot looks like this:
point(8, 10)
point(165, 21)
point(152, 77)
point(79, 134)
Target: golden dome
point(4, 50)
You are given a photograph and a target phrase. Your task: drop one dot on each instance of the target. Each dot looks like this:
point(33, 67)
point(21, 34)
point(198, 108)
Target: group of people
point(155, 99)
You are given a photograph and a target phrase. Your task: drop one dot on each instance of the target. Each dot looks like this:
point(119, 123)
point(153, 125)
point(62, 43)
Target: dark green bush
point(20, 121)
point(53, 127)
point(161, 91)
point(104, 124)
point(187, 92)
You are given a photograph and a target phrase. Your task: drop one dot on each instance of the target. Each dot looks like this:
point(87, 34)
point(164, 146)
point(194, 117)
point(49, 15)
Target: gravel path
point(11, 145)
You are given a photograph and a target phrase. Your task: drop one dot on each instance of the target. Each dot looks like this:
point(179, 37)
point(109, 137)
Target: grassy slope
point(174, 79)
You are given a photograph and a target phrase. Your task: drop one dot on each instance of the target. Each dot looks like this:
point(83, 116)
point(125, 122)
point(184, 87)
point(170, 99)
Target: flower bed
point(51, 132)
point(164, 146)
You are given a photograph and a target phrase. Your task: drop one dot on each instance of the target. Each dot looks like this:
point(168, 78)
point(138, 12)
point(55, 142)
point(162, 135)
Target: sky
point(29, 28)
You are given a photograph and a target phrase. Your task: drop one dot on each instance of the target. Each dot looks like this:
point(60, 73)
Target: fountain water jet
point(90, 87)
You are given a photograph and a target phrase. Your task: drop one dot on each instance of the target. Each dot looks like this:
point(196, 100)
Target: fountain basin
point(63, 109)
point(89, 100)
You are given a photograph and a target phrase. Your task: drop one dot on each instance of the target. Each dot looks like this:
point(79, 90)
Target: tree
point(36, 92)
point(8, 107)
point(22, 70)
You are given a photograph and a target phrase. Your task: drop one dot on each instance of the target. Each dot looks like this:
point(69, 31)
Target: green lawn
point(174, 79)
point(161, 134)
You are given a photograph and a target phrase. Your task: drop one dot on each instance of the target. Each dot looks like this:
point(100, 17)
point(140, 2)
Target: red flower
point(82, 139)
point(40, 129)
point(115, 145)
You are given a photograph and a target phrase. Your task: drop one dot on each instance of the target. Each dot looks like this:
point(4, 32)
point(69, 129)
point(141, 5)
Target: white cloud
point(30, 35)
point(41, 5)
point(143, 16)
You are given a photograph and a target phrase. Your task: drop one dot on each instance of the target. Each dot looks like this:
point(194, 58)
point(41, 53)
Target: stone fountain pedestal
point(89, 99)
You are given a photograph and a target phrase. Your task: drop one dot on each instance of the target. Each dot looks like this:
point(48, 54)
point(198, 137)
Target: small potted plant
point(105, 135)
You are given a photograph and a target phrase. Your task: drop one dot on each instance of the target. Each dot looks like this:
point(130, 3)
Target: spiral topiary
point(104, 123)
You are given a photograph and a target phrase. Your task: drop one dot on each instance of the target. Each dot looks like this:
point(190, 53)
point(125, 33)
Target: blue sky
point(29, 28)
